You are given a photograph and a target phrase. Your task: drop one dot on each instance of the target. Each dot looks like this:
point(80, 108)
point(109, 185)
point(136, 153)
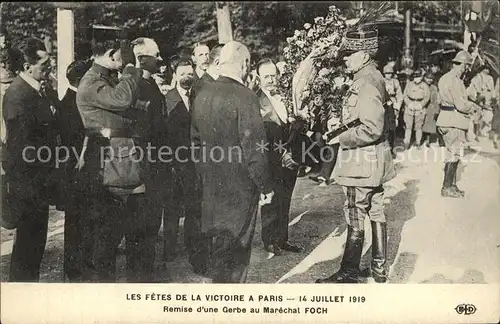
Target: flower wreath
point(309, 82)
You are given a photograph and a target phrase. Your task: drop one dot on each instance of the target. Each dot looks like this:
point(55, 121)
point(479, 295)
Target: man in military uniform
point(395, 93)
point(453, 121)
point(115, 190)
point(365, 160)
point(416, 96)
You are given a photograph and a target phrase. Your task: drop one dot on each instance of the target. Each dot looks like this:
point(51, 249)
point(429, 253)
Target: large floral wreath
point(312, 64)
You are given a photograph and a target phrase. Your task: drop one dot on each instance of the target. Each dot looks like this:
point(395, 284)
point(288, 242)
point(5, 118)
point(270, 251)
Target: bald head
point(235, 60)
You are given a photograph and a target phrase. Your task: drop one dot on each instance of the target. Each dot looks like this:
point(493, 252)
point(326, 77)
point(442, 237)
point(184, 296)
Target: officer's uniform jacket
point(365, 158)
point(106, 103)
point(455, 107)
point(395, 93)
point(416, 97)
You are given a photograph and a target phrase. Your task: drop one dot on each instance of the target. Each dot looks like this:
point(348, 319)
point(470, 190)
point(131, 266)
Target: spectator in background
point(416, 96)
point(432, 110)
point(77, 248)
point(200, 58)
point(183, 196)
point(212, 72)
point(395, 93)
point(31, 121)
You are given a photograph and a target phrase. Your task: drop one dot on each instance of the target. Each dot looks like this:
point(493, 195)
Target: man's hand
point(128, 56)
point(265, 199)
point(288, 162)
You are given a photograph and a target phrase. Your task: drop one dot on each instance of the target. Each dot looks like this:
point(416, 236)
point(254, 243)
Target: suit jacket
point(276, 131)
point(365, 158)
point(178, 126)
point(30, 122)
point(71, 125)
point(229, 122)
point(199, 82)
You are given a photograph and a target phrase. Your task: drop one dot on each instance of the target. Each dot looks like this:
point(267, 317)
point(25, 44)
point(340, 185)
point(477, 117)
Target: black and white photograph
point(324, 143)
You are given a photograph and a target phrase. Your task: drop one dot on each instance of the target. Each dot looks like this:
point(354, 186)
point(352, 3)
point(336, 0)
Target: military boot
point(379, 251)
point(454, 167)
point(349, 268)
point(447, 190)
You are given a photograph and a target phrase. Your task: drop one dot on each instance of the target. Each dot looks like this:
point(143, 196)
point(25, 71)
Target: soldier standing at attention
point(453, 121)
point(365, 160)
point(416, 97)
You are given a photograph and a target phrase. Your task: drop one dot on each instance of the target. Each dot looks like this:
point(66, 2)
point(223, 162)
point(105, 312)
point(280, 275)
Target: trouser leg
point(409, 120)
point(171, 215)
point(141, 236)
point(29, 243)
point(108, 214)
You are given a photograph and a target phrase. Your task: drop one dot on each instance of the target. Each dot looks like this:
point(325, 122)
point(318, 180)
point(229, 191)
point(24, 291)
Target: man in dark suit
point(29, 111)
point(227, 126)
point(212, 72)
point(200, 59)
point(184, 194)
point(150, 130)
point(283, 168)
point(76, 246)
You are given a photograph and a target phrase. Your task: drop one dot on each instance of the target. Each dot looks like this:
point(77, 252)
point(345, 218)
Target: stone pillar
point(65, 47)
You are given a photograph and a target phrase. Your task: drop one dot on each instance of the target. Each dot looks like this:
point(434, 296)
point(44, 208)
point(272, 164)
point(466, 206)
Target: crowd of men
point(116, 118)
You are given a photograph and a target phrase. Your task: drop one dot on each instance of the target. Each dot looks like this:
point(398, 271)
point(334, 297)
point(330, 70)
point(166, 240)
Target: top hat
point(361, 40)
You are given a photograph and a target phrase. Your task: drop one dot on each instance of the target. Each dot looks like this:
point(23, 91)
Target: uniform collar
point(29, 80)
point(101, 69)
point(366, 70)
point(72, 88)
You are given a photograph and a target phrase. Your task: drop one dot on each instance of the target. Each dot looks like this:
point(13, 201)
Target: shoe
point(379, 251)
point(314, 178)
point(349, 267)
point(454, 167)
point(291, 247)
point(275, 249)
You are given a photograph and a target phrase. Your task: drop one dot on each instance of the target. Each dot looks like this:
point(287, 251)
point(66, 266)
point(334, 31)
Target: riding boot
point(447, 190)
point(454, 167)
point(349, 268)
point(379, 251)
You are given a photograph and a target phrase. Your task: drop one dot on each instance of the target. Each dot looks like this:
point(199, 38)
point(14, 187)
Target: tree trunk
point(224, 23)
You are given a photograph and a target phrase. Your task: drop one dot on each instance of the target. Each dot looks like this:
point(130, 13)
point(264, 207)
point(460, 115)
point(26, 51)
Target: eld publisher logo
point(465, 309)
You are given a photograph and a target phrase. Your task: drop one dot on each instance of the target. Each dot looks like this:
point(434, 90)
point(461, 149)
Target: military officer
point(416, 96)
point(112, 166)
point(453, 121)
point(365, 160)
